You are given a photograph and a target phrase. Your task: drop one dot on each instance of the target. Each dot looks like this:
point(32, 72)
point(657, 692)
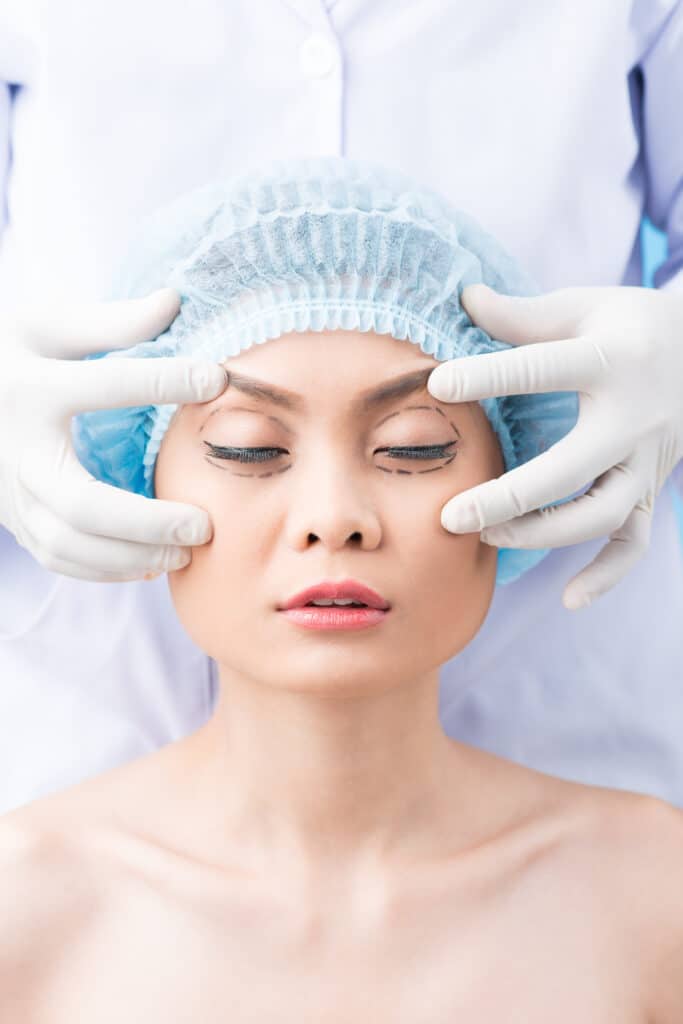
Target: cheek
point(208, 602)
point(215, 595)
point(458, 571)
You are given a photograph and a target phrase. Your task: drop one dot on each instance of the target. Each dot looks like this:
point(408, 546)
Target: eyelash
point(429, 451)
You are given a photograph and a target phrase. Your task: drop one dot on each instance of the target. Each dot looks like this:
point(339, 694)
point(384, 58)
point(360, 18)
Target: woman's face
point(330, 501)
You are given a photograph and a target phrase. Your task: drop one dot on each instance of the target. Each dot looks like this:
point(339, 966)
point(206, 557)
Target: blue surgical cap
point(323, 243)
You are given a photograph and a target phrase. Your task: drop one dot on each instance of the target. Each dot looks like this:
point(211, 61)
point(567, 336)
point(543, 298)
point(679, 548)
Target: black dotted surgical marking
point(434, 469)
point(274, 472)
point(432, 408)
point(248, 476)
point(401, 472)
point(416, 472)
point(422, 407)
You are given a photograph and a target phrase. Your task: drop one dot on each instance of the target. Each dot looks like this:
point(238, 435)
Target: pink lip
point(335, 618)
point(326, 589)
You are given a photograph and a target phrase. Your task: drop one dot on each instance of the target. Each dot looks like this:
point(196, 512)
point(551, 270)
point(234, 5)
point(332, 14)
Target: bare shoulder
point(42, 879)
point(653, 830)
point(44, 895)
point(53, 876)
point(632, 848)
point(56, 858)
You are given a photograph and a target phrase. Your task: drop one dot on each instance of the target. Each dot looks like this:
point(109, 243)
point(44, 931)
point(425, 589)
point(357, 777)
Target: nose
point(334, 506)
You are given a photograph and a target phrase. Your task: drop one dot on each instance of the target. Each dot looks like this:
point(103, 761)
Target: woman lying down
point(320, 850)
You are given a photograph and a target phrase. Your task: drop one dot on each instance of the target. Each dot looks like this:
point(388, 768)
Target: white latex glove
point(70, 522)
point(621, 348)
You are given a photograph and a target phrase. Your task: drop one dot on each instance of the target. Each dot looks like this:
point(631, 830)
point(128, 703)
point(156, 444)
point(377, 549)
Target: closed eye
point(243, 454)
point(419, 451)
point(423, 451)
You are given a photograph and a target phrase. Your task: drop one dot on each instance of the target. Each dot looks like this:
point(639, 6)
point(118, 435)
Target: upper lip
point(337, 589)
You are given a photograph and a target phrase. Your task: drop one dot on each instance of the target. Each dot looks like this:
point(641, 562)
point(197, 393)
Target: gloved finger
point(53, 563)
point(77, 329)
point(528, 319)
point(600, 511)
point(56, 539)
point(626, 546)
point(59, 482)
point(573, 364)
point(564, 468)
point(116, 383)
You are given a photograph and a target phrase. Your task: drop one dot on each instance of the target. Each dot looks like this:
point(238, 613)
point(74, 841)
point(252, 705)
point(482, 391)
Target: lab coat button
point(317, 56)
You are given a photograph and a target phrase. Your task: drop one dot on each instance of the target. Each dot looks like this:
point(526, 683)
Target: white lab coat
point(532, 117)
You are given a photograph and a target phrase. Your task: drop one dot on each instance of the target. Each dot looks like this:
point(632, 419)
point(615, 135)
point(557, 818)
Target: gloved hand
point(70, 522)
point(621, 348)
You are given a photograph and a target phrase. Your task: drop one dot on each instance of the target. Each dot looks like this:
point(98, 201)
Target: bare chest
point(145, 958)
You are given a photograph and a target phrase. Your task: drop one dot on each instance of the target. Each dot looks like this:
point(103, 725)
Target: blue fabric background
point(653, 248)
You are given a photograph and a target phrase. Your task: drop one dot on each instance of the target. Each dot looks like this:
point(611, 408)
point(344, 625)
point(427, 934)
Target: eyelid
point(256, 454)
point(225, 408)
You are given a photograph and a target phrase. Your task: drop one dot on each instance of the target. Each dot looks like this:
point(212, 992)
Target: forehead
point(299, 360)
point(366, 400)
point(352, 372)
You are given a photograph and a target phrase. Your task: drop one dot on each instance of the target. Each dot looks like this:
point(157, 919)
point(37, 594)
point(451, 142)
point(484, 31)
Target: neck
point(311, 779)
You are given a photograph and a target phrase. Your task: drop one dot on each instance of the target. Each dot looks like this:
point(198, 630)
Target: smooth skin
point(320, 849)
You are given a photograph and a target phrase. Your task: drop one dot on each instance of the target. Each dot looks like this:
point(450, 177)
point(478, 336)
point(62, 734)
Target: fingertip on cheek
point(493, 539)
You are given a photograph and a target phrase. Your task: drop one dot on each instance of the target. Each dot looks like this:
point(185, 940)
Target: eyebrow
point(366, 401)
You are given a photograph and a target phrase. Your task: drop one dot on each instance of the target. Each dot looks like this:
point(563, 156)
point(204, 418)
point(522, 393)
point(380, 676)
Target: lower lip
point(335, 618)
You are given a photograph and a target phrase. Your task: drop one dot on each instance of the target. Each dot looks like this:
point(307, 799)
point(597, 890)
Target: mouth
point(337, 594)
point(335, 618)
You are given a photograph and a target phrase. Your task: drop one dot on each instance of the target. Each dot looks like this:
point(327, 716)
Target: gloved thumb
point(524, 319)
